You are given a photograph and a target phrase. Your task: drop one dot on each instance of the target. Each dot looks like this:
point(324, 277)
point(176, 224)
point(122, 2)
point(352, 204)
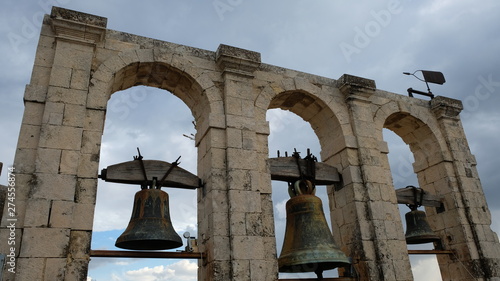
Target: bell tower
point(80, 63)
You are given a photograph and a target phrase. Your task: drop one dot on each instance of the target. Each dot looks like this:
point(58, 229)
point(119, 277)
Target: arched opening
point(160, 124)
point(301, 121)
point(289, 132)
point(411, 144)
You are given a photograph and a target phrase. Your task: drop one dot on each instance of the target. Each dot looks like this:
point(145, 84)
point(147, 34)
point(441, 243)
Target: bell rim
point(423, 239)
point(327, 259)
point(157, 244)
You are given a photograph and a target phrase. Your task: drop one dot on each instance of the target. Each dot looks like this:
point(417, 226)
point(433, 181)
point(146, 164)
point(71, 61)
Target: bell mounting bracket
point(147, 173)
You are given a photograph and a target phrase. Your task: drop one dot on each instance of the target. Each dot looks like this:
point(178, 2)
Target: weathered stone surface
point(34, 243)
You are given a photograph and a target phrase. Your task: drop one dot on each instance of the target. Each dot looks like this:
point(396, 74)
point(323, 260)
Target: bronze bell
point(308, 245)
point(418, 230)
point(150, 227)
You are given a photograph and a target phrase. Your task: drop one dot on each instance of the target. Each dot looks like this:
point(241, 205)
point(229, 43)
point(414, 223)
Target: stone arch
point(156, 68)
point(317, 113)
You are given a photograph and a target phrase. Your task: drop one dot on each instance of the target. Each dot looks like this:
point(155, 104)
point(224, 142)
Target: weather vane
point(435, 77)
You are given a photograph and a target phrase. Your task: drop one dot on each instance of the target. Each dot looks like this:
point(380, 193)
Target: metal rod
point(146, 254)
point(174, 164)
point(430, 252)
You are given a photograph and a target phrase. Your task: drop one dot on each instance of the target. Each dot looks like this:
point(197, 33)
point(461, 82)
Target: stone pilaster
point(252, 247)
point(466, 215)
point(55, 132)
point(372, 229)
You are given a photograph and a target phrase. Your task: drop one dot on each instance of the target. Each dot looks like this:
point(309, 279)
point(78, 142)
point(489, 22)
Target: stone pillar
point(368, 216)
point(252, 250)
point(56, 167)
point(465, 220)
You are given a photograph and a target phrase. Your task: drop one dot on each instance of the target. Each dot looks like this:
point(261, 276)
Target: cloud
point(426, 269)
point(183, 270)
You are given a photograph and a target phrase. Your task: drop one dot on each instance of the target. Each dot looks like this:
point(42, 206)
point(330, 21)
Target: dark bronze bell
point(418, 230)
point(150, 227)
point(308, 245)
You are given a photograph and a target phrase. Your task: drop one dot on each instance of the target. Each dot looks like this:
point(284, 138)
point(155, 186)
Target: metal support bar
point(430, 252)
point(323, 279)
point(411, 91)
point(146, 254)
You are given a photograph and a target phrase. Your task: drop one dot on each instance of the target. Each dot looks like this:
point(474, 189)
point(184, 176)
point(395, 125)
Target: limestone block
point(102, 73)
point(24, 160)
point(79, 244)
point(75, 56)
point(80, 79)
point(47, 160)
point(36, 93)
point(216, 158)
point(35, 244)
point(61, 137)
point(91, 142)
point(244, 201)
point(402, 269)
point(88, 165)
point(237, 224)
point(241, 159)
point(33, 113)
point(53, 113)
point(83, 216)
point(270, 248)
point(240, 122)
point(241, 270)
point(45, 51)
point(66, 96)
point(240, 179)
point(86, 190)
point(55, 268)
point(216, 201)
point(29, 269)
point(234, 138)
point(74, 115)
point(61, 215)
point(218, 224)
point(248, 140)
point(220, 247)
point(37, 213)
point(94, 120)
point(351, 174)
point(263, 270)
point(60, 76)
point(216, 138)
point(69, 162)
point(77, 269)
point(55, 187)
point(28, 136)
point(255, 224)
point(247, 248)
point(99, 93)
point(40, 76)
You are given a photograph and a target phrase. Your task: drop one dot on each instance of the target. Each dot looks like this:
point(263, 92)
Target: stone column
point(465, 219)
point(369, 220)
point(58, 152)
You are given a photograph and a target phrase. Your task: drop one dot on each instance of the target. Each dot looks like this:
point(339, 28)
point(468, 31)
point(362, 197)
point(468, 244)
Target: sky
point(375, 39)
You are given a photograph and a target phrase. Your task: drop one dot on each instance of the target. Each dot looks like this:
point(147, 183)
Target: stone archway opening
point(164, 133)
point(410, 145)
point(288, 131)
point(295, 120)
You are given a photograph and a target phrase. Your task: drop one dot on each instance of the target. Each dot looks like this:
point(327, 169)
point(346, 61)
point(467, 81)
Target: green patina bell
point(308, 245)
point(418, 230)
point(150, 227)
